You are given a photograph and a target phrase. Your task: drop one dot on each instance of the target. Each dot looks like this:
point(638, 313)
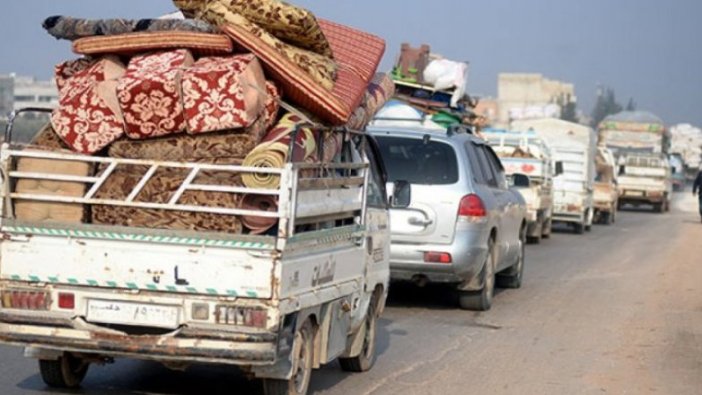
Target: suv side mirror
point(559, 168)
point(521, 181)
point(401, 195)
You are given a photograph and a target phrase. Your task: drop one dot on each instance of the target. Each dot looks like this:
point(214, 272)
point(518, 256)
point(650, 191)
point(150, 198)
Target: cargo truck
point(574, 149)
point(640, 143)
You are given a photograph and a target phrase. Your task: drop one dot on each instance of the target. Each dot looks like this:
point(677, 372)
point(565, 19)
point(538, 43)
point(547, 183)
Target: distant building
point(489, 109)
point(530, 95)
point(29, 92)
point(7, 95)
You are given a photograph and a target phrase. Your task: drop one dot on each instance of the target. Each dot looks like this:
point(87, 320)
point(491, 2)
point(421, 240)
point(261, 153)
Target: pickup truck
point(606, 192)
point(276, 305)
point(645, 179)
point(526, 153)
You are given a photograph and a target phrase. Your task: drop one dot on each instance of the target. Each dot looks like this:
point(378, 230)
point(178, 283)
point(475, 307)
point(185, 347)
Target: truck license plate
point(134, 314)
point(634, 193)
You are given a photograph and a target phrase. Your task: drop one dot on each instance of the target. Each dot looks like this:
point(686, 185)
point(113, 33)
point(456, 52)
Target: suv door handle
point(418, 222)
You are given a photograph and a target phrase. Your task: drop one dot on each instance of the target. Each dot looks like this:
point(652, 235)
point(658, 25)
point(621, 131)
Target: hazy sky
point(650, 50)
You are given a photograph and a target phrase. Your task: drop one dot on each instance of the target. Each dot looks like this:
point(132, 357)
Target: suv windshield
point(418, 162)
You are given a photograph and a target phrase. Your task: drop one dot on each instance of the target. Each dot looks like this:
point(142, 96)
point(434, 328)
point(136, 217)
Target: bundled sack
point(33, 211)
point(222, 93)
point(88, 117)
point(150, 96)
point(286, 31)
point(160, 189)
point(67, 28)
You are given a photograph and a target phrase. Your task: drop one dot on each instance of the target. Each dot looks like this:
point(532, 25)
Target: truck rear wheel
point(303, 354)
point(546, 231)
point(364, 362)
point(65, 372)
point(481, 300)
point(579, 229)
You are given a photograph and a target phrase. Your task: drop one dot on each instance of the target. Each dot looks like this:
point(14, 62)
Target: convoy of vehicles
point(526, 153)
point(460, 212)
point(463, 226)
point(277, 306)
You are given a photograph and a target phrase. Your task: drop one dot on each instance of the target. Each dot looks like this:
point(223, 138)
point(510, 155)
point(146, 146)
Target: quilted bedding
point(320, 67)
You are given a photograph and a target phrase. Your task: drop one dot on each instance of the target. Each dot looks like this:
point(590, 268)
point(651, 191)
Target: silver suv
point(462, 224)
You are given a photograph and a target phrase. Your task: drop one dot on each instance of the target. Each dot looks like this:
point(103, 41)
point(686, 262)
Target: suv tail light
point(437, 257)
point(471, 206)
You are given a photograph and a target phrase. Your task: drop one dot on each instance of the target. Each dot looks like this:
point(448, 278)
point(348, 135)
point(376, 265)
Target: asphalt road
point(615, 311)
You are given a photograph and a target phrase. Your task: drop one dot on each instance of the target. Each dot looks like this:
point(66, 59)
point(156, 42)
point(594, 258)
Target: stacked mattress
point(202, 90)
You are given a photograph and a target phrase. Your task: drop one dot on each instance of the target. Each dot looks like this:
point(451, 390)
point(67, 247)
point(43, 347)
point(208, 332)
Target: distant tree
point(569, 110)
point(605, 106)
point(631, 105)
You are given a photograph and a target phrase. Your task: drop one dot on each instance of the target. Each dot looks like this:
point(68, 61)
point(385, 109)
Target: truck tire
point(512, 277)
point(658, 208)
point(481, 300)
point(546, 232)
point(579, 229)
point(65, 372)
point(303, 354)
point(364, 362)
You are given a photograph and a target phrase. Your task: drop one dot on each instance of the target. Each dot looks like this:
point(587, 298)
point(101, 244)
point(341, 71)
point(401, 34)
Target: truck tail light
point(241, 316)
point(471, 206)
point(26, 300)
point(437, 257)
point(66, 300)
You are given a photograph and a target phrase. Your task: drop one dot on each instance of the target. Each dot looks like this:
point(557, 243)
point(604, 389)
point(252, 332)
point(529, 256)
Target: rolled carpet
point(273, 152)
point(160, 190)
point(259, 225)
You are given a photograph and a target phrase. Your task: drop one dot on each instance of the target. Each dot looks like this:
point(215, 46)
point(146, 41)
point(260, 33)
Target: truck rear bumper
point(183, 345)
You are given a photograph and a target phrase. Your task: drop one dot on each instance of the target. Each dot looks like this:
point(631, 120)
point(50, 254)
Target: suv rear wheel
point(512, 277)
point(481, 300)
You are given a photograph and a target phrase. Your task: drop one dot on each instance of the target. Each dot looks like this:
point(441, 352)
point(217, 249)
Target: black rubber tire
point(512, 277)
point(481, 300)
point(65, 372)
point(547, 229)
point(534, 239)
point(292, 386)
point(579, 229)
point(658, 208)
point(364, 362)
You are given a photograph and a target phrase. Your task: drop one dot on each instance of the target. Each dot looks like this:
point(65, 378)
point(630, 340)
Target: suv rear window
point(418, 162)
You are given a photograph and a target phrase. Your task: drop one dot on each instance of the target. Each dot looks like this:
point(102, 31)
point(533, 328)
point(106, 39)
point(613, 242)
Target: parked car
point(463, 225)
